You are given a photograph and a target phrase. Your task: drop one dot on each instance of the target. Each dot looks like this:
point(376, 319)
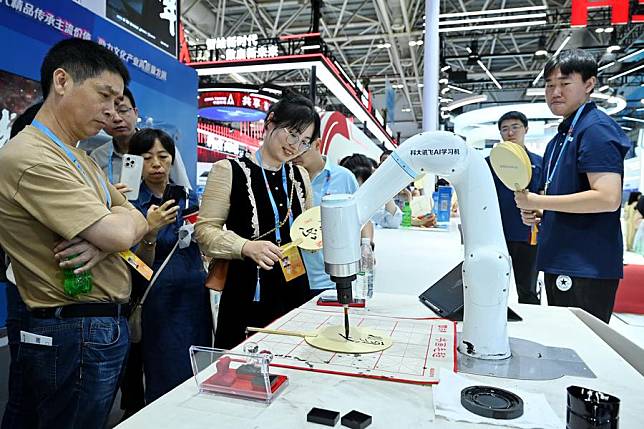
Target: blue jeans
point(76, 378)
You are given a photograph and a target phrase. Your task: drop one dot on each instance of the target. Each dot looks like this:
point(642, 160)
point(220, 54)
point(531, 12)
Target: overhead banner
point(155, 21)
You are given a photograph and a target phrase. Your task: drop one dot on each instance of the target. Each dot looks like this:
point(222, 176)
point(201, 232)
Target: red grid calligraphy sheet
point(420, 347)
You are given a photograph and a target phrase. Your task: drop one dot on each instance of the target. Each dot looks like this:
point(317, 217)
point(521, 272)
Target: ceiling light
point(405, 110)
point(600, 96)
point(443, 80)
point(491, 76)
point(626, 72)
point(494, 19)
point(604, 88)
point(614, 44)
point(385, 45)
point(412, 43)
point(420, 85)
point(541, 48)
point(493, 26)
point(608, 30)
point(397, 86)
point(627, 128)
point(642, 101)
point(628, 118)
point(419, 42)
point(564, 43)
point(492, 11)
point(445, 100)
point(445, 68)
point(599, 30)
point(535, 92)
point(541, 53)
point(465, 101)
point(458, 88)
point(444, 90)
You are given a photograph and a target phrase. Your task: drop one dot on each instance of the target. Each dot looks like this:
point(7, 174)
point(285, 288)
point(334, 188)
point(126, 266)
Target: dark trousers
point(524, 264)
point(19, 412)
point(75, 379)
point(596, 296)
point(132, 399)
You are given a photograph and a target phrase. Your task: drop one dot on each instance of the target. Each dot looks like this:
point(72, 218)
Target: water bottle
point(76, 284)
point(366, 275)
point(406, 217)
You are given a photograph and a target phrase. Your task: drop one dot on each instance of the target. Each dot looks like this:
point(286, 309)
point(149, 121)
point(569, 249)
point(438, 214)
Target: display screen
point(16, 95)
point(156, 21)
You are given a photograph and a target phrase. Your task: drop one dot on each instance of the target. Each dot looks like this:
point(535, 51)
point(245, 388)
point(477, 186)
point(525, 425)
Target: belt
point(107, 309)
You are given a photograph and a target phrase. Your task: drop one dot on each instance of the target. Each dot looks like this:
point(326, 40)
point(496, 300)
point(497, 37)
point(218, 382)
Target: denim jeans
point(18, 413)
point(76, 378)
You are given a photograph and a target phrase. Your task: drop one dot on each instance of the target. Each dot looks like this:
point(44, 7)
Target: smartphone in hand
point(131, 170)
point(173, 192)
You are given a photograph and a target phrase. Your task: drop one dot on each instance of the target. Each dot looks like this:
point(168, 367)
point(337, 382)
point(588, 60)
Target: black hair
point(385, 152)
point(360, 165)
point(143, 140)
point(572, 61)
point(127, 93)
point(633, 197)
point(25, 119)
point(295, 112)
point(513, 115)
point(82, 59)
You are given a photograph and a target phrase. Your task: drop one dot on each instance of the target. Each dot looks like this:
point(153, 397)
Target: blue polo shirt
point(333, 179)
point(589, 244)
point(513, 227)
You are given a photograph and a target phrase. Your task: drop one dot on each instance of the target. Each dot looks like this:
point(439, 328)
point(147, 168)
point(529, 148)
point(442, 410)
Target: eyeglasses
point(294, 139)
point(514, 128)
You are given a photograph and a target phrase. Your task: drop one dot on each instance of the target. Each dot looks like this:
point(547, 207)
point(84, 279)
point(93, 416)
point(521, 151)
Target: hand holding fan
point(513, 167)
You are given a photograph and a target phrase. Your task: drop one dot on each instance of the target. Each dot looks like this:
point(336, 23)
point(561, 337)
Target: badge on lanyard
point(136, 263)
point(292, 264)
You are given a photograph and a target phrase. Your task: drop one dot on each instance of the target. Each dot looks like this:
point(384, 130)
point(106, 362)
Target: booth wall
point(165, 90)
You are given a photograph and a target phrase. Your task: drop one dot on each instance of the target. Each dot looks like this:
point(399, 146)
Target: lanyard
point(278, 235)
point(53, 137)
point(327, 181)
point(568, 138)
point(110, 169)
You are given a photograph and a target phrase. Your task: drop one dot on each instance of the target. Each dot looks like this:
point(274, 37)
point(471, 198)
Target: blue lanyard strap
point(110, 168)
point(53, 137)
point(278, 235)
point(568, 138)
point(327, 181)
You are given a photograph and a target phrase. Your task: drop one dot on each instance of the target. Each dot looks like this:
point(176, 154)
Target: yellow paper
point(307, 229)
point(292, 264)
point(136, 263)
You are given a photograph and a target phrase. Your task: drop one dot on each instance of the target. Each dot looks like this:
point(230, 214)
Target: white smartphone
point(131, 170)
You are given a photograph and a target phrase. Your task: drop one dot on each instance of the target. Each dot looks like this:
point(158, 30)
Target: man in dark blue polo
point(580, 241)
point(513, 127)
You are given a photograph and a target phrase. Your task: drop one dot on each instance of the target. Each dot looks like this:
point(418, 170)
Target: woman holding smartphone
point(176, 312)
point(256, 198)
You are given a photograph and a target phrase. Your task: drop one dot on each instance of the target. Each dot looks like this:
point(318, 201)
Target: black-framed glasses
point(294, 139)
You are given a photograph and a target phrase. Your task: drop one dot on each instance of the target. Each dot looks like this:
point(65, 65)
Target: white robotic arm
point(486, 266)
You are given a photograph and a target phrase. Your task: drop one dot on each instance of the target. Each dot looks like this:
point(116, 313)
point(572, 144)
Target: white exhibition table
point(406, 265)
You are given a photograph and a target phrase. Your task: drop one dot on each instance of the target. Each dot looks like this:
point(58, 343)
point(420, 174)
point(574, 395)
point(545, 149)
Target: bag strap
point(156, 275)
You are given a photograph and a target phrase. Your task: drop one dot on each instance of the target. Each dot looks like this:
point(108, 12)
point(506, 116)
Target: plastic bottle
point(365, 277)
point(406, 217)
point(76, 284)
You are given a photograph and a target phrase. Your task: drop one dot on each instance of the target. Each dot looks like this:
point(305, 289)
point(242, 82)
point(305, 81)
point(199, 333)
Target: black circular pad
point(488, 401)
